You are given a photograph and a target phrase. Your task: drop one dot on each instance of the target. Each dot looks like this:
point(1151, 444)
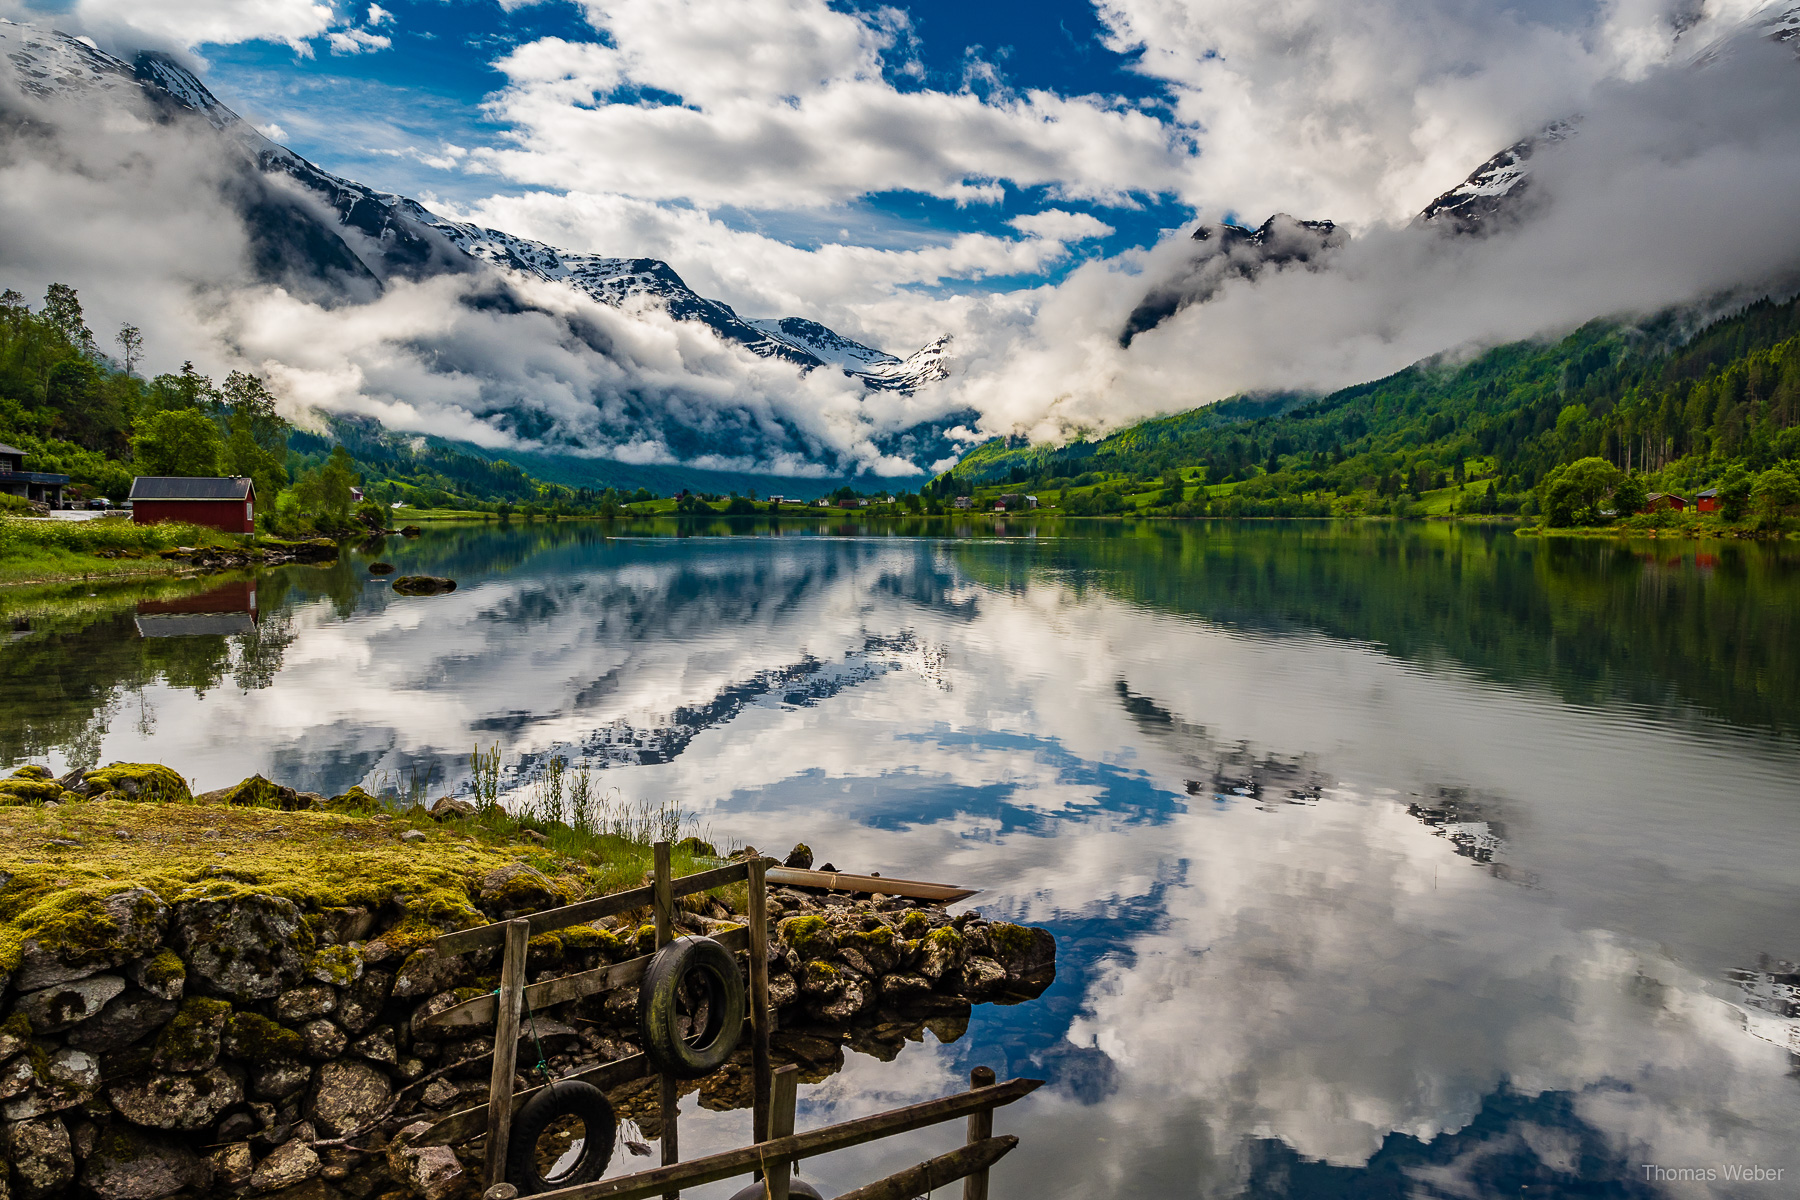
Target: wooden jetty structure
point(776, 1145)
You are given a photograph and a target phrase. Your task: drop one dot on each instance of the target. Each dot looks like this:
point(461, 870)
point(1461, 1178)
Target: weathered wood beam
point(965, 1163)
point(814, 1142)
point(464, 940)
point(480, 1010)
point(835, 881)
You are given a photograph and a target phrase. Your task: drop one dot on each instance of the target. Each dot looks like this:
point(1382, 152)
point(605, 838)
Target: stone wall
point(205, 1053)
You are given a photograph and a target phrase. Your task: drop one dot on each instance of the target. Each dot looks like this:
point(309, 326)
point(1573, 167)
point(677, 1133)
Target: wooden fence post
point(669, 1091)
point(759, 999)
point(784, 1094)
point(506, 1049)
point(981, 1128)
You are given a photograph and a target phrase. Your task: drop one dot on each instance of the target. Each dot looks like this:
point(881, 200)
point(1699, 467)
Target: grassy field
point(62, 858)
point(37, 550)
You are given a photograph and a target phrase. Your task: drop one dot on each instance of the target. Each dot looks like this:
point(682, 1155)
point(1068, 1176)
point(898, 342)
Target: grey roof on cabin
point(5, 449)
point(181, 487)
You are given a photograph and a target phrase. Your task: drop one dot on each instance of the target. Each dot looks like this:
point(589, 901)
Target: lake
point(1383, 860)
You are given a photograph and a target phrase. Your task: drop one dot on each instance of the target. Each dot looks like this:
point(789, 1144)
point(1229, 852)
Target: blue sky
point(374, 114)
point(1012, 177)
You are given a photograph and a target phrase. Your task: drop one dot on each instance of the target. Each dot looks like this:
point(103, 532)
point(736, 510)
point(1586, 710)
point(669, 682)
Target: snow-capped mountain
point(381, 235)
point(1497, 190)
point(1226, 251)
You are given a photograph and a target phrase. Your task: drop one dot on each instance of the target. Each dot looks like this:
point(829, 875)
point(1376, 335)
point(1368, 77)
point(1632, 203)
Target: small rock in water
point(423, 585)
point(381, 568)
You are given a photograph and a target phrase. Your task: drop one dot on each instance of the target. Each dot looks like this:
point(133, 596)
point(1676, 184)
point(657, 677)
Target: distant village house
point(1659, 501)
point(40, 486)
point(227, 504)
point(1707, 501)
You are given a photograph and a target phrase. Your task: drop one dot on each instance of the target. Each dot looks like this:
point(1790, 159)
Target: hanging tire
point(569, 1098)
point(796, 1187)
point(672, 977)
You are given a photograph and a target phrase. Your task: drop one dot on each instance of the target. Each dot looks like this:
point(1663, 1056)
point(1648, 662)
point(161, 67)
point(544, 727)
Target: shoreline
point(233, 991)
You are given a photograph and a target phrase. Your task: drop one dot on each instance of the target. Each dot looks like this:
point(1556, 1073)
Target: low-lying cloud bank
point(1677, 187)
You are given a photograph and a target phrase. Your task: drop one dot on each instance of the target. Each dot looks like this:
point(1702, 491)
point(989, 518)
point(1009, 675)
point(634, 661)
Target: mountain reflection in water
point(1411, 861)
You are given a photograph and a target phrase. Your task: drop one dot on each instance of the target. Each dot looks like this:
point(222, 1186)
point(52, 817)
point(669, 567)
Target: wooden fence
point(776, 1147)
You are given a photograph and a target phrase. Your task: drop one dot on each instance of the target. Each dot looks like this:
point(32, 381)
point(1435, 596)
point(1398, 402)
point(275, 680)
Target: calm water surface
point(1383, 861)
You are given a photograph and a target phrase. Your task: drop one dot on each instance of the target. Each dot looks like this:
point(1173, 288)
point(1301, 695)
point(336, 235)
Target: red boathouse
point(227, 504)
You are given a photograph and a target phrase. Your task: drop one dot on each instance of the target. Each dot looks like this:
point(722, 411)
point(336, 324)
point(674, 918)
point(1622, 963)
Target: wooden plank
point(783, 1097)
point(480, 1011)
point(964, 1163)
point(814, 1142)
point(464, 940)
point(981, 1130)
point(760, 1013)
point(668, 1100)
point(837, 882)
point(471, 1122)
point(506, 1051)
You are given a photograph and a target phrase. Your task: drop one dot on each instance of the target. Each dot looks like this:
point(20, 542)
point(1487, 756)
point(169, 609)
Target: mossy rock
point(544, 951)
point(139, 781)
point(585, 939)
point(915, 924)
point(809, 936)
point(339, 966)
point(32, 771)
point(163, 974)
point(252, 1038)
point(257, 792)
point(15, 790)
point(696, 847)
point(73, 933)
point(190, 1042)
point(356, 800)
point(423, 585)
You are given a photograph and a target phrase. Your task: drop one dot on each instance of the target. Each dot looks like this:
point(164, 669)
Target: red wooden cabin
point(227, 504)
point(1707, 501)
point(1661, 500)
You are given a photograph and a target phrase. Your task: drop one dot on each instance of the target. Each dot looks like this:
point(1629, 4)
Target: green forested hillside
point(76, 409)
point(1660, 410)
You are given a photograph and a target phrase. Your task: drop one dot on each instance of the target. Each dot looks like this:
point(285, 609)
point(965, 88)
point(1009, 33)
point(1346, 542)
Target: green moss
point(544, 951)
point(141, 781)
point(915, 924)
point(355, 801)
point(1009, 940)
point(946, 939)
point(880, 937)
point(72, 922)
point(18, 1025)
point(14, 790)
point(646, 938)
point(337, 963)
point(191, 1036)
point(254, 791)
point(809, 936)
point(696, 847)
point(164, 969)
point(32, 771)
point(253, 1038)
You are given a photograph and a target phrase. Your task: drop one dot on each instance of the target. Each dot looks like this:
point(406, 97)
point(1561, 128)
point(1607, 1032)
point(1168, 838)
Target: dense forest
point(78, 408)
point(1577, 430)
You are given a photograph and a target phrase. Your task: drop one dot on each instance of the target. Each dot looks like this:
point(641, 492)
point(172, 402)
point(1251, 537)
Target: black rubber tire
point(657, 1018)
point(568, 1098)
point(796, 1187)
